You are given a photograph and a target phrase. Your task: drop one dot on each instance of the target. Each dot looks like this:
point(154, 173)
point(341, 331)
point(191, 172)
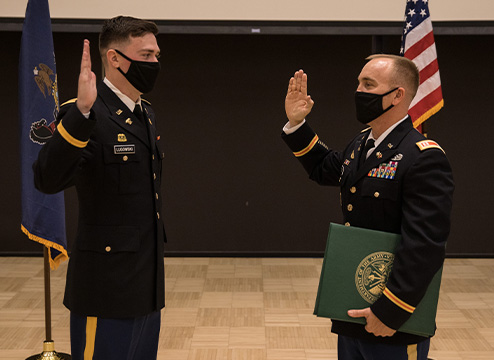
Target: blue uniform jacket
point(114, 160)
point(404, 187)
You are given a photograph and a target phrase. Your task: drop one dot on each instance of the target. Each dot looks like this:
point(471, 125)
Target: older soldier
point(415, 201)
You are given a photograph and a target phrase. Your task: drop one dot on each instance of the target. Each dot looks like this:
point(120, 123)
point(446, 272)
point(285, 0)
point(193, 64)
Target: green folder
point(354, 273)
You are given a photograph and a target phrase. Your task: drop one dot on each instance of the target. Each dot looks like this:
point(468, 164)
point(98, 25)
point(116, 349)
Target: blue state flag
point(43, 216)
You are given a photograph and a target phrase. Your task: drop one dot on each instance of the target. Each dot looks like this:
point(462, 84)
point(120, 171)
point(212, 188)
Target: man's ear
point(112, 58)
point(399, 96)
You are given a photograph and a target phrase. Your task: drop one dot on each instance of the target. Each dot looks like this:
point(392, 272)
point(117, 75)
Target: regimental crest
point(46, 79)
point(372, 275)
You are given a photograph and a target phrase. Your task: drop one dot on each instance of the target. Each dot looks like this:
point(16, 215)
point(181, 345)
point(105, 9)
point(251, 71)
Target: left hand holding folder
point(374, 325)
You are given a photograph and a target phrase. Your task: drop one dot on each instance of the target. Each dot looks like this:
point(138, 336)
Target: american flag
point(417, 44)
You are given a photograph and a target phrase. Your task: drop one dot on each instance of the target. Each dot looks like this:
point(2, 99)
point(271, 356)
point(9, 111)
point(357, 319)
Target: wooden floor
point(246, 309)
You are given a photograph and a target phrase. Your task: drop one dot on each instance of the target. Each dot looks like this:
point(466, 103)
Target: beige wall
point(322, 10)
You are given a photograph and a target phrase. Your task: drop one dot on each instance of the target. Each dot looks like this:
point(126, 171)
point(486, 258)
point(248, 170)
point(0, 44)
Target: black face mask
point(370, 106)
point(141, 74)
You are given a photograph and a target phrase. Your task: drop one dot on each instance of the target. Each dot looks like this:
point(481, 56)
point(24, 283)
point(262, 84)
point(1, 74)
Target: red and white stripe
point(421, 49)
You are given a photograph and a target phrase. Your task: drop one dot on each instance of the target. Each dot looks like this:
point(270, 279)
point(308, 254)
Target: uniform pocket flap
point(120, 154)
point(109, 239)
point(380, 188)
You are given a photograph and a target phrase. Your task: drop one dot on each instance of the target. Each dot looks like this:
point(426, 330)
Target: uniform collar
point(386, 133)
point(124, 98)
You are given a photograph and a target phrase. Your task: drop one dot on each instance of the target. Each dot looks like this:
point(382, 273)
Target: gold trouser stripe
point(69, 138)
point(90, 337)
point(308, 148)
point(412, 352)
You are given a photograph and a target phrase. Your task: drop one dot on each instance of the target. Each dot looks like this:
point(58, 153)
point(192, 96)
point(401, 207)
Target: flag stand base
point(49, 353)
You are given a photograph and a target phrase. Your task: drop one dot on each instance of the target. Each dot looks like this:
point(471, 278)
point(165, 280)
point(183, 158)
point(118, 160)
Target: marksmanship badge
point(372, 274)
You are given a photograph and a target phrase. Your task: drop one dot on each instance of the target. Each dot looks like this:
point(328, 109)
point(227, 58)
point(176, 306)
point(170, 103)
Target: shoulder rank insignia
point(428, 144)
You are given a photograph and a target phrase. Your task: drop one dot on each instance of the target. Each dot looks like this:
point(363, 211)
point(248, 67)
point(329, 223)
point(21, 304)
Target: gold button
point(156, 196)
point(125, 158)
point(347, 224)
point(350, 207)
point(376, 194)
point(158, 214)
point(152, 157)
point(154, 176)
point(353, 189)
point(108, 249)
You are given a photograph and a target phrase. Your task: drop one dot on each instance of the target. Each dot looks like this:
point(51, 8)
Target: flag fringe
point(54, 263)
point(428, 113)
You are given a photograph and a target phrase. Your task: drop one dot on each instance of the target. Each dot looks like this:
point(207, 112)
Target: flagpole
point(425, 128)
point(47, 295)
point(43, 216)
point(49, 352)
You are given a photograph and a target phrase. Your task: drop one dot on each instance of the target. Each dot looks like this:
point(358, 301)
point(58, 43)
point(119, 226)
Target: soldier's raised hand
point(86, 90)
point(297, 103)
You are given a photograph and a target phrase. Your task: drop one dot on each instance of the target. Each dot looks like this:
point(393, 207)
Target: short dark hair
point(119, 30)
point(405, 72)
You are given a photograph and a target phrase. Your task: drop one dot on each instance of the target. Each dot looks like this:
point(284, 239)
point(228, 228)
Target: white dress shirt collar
point(124, 98)
point(384, 134)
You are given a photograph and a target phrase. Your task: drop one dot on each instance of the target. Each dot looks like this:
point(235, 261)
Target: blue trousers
point(115, 339)
point(355, 349)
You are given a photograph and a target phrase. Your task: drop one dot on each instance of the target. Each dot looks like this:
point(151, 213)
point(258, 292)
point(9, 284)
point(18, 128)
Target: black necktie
point(368, 145)
point(138, 113)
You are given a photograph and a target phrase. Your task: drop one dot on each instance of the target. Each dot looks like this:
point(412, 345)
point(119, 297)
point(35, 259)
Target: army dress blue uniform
point(405, 187)
point(113, 159)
